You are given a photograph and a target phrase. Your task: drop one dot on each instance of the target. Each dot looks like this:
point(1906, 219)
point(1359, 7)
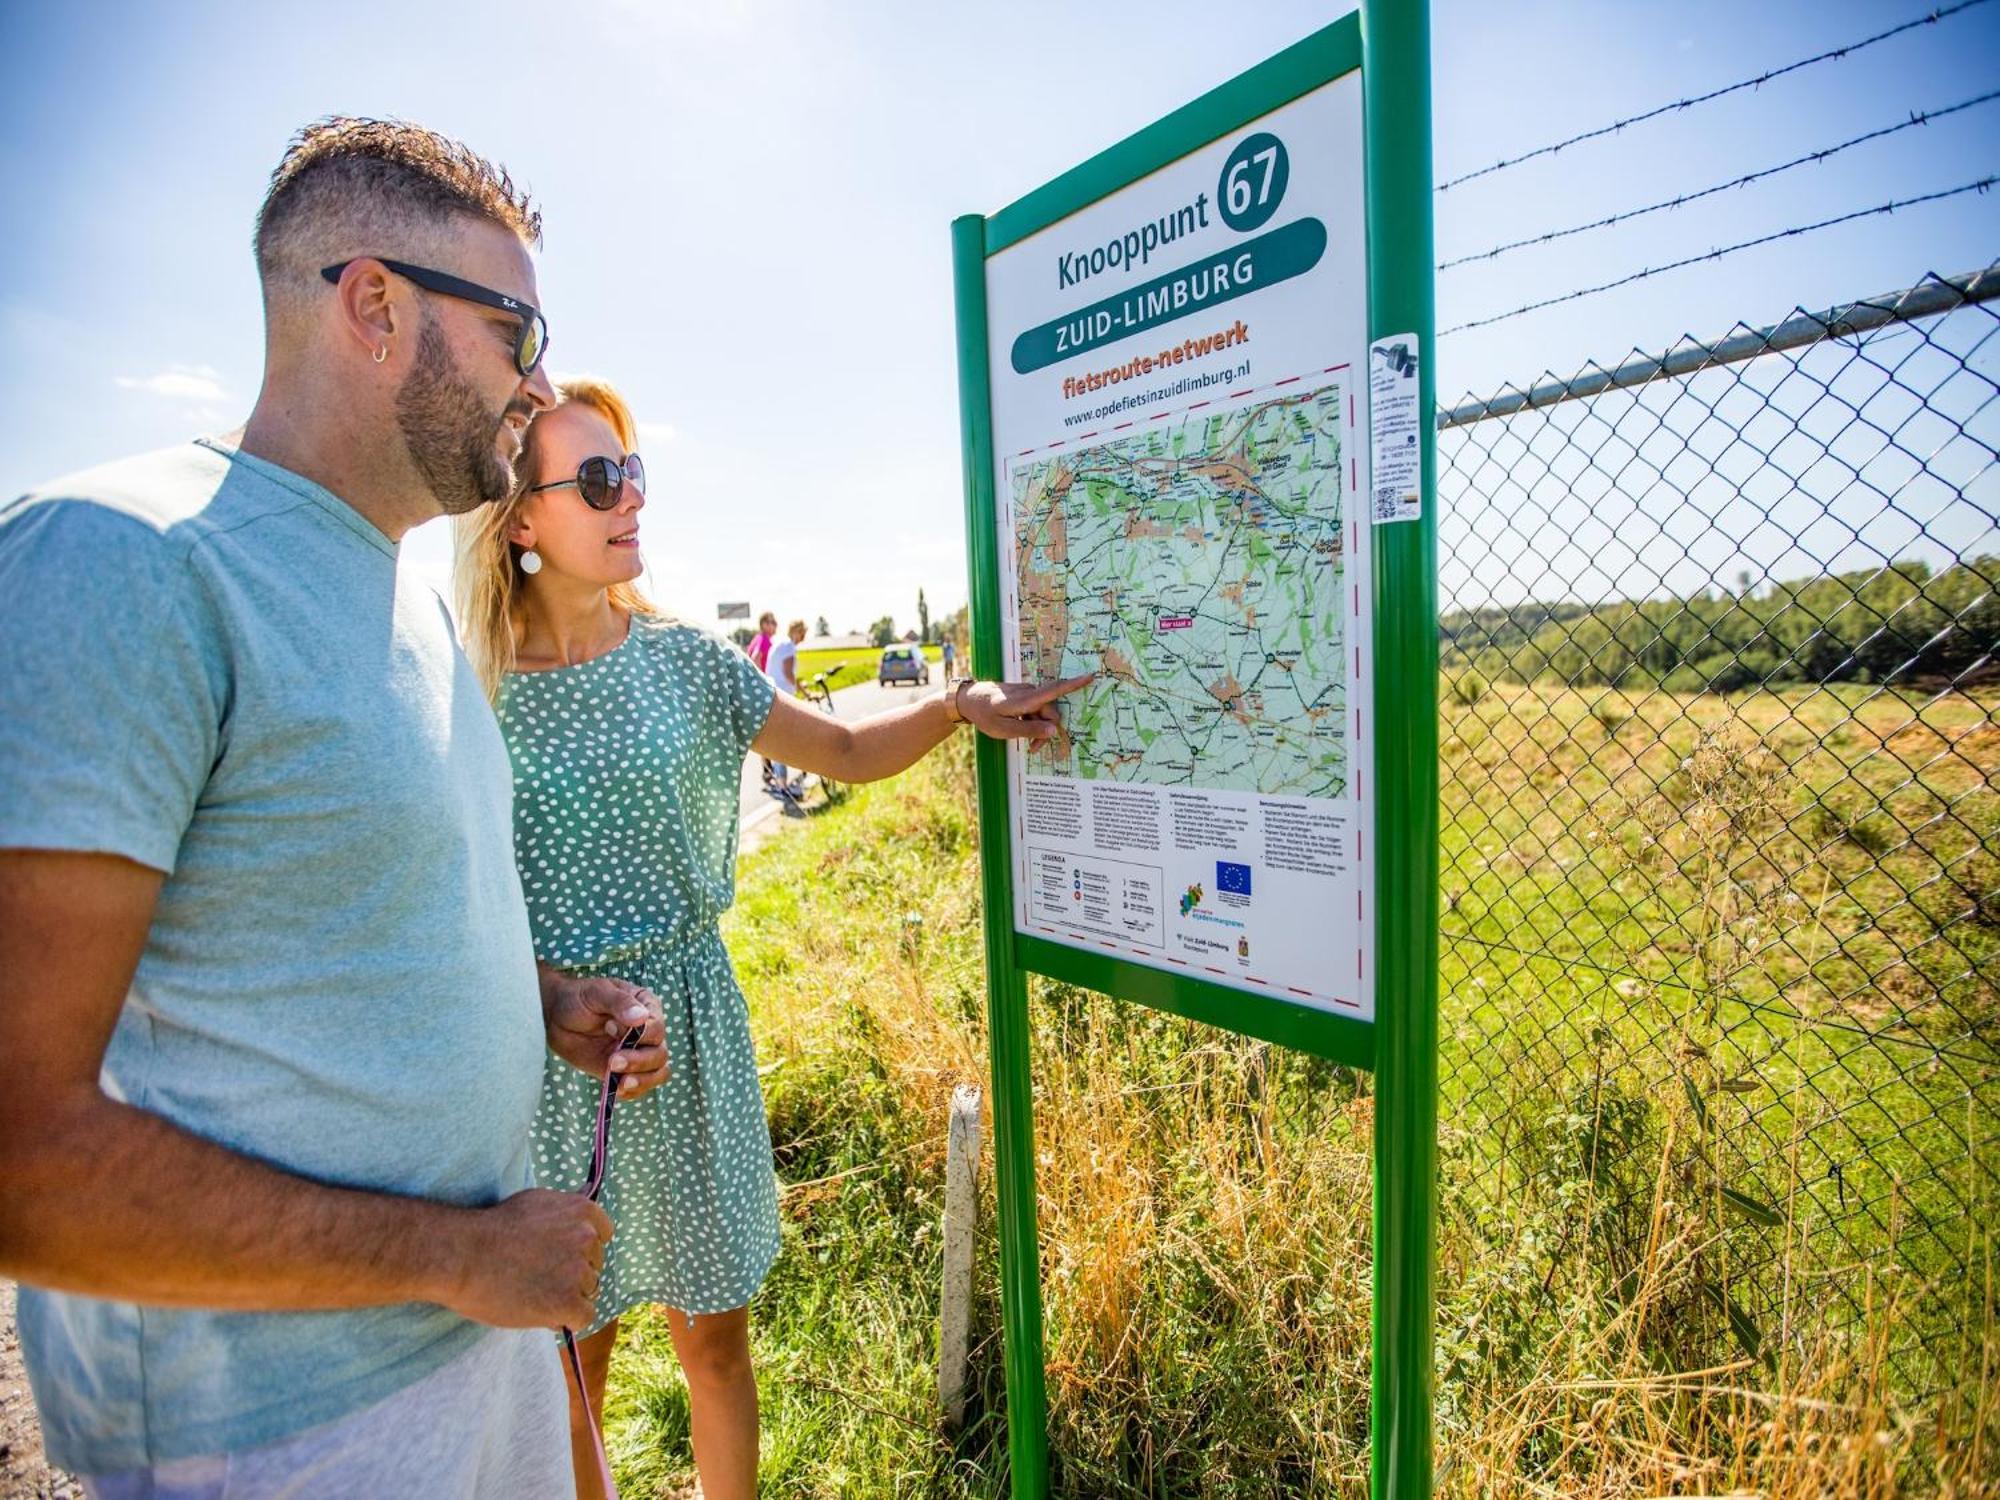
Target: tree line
point(1902, 623)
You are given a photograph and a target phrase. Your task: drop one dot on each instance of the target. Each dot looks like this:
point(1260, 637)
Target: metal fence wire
point(1721, 859)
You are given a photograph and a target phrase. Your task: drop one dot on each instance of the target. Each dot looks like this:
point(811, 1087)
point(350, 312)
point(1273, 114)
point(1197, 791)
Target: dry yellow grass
point(1205, 1201)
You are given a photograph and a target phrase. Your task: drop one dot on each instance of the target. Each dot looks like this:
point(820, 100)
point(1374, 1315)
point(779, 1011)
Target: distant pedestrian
point(783, 666)
point(759, 650)
point(949, 656)
point(760, 643)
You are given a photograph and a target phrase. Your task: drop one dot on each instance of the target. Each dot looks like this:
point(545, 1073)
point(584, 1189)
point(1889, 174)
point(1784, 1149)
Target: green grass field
point(1717, 1168)
point(855, 666)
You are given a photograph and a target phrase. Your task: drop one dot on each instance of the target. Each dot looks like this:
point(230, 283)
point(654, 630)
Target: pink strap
point(600, 1158)
point(590, 1418)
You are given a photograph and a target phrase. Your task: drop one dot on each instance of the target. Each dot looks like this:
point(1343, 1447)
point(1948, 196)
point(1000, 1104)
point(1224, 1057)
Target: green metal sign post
point(1126, 317)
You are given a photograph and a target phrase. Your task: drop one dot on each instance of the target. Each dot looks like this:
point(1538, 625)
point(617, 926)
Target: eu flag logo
point(1230, 877)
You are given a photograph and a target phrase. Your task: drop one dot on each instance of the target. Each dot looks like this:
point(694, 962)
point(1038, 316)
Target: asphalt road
point(850, 703)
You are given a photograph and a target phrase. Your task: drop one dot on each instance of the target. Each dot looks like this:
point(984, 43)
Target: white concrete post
point(961, 1212)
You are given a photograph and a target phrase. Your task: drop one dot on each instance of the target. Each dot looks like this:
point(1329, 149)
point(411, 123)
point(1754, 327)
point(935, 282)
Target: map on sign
point(1198, 567)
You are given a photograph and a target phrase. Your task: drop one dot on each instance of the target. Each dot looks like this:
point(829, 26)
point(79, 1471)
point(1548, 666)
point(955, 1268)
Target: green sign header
point(1209, 282)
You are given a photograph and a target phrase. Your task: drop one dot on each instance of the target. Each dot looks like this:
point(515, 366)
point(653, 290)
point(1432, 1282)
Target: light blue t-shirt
point(212, 666)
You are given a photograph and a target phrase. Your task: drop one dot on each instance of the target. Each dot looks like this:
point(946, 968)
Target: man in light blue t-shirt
point(272, 1023)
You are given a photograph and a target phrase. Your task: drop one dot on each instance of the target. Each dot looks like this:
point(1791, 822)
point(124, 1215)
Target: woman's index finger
point(1048, 692)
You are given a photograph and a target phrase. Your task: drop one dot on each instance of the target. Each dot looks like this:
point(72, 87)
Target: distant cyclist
point(783, 670)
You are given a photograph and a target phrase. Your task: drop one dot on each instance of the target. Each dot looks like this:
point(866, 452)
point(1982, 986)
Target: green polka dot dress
point(626, 777)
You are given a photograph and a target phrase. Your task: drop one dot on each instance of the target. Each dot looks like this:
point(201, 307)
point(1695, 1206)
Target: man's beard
point(452, 438)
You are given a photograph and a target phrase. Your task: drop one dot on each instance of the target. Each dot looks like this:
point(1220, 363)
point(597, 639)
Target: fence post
point(961, 1213)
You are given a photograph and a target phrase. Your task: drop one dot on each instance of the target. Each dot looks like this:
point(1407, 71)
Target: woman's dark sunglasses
point(601, 481)
point(530, 344)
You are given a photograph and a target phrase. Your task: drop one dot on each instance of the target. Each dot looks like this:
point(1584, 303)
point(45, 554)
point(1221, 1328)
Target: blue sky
point(747, 208)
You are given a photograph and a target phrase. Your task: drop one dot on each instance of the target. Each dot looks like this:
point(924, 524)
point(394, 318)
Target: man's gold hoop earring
point(381, 354)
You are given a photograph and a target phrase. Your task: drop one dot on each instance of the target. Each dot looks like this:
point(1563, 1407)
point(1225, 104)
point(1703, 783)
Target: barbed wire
point(1929, 19)
point(1922, 117)
point(1861, 213)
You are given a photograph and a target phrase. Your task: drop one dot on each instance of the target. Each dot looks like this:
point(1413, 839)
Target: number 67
point(1237, 185)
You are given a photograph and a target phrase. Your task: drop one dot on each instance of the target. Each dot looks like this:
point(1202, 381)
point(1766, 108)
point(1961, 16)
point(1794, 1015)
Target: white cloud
point(181, 382)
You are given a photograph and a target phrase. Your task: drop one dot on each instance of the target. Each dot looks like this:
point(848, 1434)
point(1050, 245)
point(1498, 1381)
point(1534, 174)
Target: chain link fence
point(1721, 860)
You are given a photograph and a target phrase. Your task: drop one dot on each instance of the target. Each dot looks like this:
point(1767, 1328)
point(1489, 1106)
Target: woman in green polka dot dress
point(628, 732)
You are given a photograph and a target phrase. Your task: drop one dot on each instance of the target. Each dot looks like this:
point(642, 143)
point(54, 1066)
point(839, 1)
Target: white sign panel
point(1180, 378)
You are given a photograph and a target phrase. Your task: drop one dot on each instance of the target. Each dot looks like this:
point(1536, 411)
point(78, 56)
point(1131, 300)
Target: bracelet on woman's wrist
point(952, 709)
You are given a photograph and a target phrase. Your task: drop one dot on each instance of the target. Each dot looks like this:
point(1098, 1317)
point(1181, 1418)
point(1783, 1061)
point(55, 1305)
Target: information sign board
point(1197, 403)
point(1178, 376)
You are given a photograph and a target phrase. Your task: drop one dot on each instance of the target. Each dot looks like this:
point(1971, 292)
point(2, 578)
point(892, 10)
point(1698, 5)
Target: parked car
point(903, 664)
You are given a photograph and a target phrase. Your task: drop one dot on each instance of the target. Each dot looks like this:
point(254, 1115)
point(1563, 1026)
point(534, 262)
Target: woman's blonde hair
point(487, 576)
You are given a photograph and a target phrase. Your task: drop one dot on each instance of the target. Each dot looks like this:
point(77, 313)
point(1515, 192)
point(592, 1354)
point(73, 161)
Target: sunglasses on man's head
point(602, 481)
point(530, 344)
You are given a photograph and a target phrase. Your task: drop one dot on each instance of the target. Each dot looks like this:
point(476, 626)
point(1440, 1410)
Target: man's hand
point(587, 1018)
point(532, 1261)
point(1017, 710)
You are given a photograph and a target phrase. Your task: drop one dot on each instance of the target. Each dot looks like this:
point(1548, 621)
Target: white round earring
point(531, 561)
point(381, 354)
